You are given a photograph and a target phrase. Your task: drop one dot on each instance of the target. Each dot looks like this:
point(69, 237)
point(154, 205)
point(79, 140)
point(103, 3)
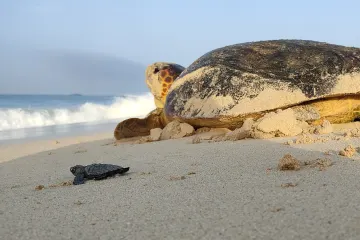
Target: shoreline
point(24, 135)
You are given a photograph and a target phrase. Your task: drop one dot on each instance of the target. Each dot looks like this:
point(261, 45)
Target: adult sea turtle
point(229, 84)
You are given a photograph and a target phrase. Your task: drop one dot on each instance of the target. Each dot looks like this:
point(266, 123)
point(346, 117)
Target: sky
point(145, 31)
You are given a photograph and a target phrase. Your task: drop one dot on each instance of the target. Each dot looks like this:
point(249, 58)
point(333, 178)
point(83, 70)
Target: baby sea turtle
point(95, 171)
point(229, 84)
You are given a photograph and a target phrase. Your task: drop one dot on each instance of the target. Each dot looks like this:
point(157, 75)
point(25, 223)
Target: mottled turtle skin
point(95, 171)
point(226, 85)
point(159, 78)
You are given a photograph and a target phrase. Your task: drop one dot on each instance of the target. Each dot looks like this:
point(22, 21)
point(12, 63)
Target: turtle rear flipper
point(123, 170)
point(79, 179)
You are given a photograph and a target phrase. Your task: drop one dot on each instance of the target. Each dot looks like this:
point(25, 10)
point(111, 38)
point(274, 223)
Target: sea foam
point(120, 108)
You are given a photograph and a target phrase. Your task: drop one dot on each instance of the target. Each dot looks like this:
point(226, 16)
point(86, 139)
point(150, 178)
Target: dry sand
point(179, 190)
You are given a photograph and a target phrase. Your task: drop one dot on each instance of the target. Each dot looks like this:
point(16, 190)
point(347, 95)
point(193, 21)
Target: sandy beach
point(179, 190)
point(179, 120)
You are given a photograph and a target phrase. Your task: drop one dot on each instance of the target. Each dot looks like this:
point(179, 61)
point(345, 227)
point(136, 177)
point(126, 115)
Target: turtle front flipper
point(138, 127)
point(79, 179)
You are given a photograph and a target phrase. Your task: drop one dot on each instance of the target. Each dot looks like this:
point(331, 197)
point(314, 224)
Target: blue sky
point(177, 31)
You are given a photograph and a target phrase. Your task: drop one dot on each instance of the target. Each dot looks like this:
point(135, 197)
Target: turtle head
point(159, 77)
point(78, 169)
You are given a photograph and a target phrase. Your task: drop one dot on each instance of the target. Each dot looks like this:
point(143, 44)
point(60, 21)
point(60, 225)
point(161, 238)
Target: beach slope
point(179, 190)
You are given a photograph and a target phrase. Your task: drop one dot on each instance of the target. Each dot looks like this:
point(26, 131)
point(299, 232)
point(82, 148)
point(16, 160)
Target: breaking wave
point(120, 108)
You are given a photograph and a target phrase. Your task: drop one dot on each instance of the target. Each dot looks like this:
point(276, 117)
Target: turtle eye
point(156, 70)
point(71, 169)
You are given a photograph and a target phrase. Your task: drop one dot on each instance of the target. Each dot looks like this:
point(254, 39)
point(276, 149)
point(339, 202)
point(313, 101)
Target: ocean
point(28, 117)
